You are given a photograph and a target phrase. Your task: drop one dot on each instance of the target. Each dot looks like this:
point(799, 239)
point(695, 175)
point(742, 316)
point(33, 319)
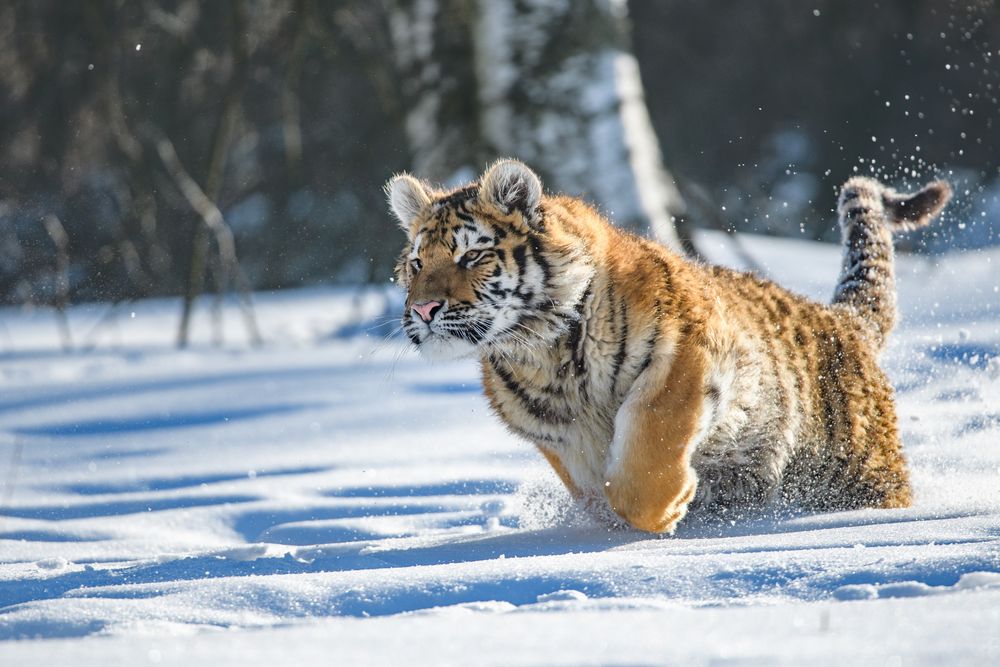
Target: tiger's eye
point(415, 264)
point(472, 255)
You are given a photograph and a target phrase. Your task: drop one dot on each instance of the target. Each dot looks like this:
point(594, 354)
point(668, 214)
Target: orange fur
point(652, 384)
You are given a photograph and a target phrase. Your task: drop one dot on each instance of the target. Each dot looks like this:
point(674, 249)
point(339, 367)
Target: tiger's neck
point(585, 365)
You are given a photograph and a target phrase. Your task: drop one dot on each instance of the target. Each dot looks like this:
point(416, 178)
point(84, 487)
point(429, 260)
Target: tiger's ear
point(511, 186)
point(407, 197)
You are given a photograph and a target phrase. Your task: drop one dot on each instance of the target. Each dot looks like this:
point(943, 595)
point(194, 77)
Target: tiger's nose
point(427, 309)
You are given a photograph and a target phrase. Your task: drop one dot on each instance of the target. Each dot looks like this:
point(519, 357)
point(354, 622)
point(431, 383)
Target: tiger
point(653, 383)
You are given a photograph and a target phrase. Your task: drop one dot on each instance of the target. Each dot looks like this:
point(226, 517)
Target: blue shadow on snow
point(182, 482)
point(973, 355)
point(158, 421)
point(116, 508)
point(446, 387)
point(472, 487)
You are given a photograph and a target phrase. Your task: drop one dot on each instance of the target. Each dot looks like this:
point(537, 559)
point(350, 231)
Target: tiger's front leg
point(649, 480)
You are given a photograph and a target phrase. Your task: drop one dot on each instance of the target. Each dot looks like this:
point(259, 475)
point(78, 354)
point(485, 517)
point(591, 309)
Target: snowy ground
point(336, 500)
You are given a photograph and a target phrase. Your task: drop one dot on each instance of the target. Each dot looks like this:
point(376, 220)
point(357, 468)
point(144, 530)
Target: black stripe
point(622, 344)
point(460, 197)
point(520, 255)
point(650, 348)
point(535, 407)
point(856, 211)
point(528, 435)
point(575, 340)
point(827, 389)
point(860, 240)
point(537, 253)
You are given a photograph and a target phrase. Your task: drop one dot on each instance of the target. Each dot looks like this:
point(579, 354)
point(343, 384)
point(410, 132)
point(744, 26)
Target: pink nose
point(426, 309)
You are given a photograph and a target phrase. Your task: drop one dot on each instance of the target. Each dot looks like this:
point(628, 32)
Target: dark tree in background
point(152, 130)
point(285, 114)
point(772, 105)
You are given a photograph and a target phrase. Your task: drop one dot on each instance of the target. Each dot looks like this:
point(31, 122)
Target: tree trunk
point(550, 82)
point(432, 40)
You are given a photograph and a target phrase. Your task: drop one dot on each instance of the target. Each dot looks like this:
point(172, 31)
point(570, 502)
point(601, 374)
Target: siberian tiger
point(652, 383)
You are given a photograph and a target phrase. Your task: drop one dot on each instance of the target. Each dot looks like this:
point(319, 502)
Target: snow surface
point(334, 499)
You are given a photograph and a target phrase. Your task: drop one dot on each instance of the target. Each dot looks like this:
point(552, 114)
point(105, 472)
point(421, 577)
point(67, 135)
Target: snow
point(335, 498)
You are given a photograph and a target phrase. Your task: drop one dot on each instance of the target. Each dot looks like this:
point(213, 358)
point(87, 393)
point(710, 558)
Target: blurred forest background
point(165, 147)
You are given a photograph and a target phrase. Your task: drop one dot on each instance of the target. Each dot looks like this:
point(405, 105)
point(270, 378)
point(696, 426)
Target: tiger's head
point(485, 265)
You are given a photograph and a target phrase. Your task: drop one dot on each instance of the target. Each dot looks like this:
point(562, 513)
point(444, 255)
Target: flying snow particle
point(138, 47)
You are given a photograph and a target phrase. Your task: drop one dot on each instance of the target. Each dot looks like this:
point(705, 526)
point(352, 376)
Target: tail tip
point(902, 211)
point(916, 210)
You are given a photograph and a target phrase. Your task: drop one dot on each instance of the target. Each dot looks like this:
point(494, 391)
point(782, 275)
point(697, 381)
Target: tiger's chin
point(436, 347)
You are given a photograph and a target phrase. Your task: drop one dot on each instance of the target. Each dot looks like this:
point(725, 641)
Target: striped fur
point(652, 384)
point(869, 213)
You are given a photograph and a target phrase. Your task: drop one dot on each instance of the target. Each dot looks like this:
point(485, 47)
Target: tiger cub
point(651, 383)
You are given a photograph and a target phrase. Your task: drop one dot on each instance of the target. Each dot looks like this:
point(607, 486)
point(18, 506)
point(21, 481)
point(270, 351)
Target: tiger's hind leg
point(883, 477)
point(860, 462)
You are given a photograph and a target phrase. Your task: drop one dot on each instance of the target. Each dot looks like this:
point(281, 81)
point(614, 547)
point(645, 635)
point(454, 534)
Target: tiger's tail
point(869, 214)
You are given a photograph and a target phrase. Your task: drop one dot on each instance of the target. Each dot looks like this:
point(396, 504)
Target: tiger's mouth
point(445, 346)
point(447, 339)
point(457, 334)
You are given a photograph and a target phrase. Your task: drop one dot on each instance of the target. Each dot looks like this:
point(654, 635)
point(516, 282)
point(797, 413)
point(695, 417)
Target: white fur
point(407, 198)
point(415, 248)
point(623, 434)
point(438, 347)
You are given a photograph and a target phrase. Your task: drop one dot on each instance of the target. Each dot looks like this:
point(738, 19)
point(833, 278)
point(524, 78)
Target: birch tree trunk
point(433, 49)
point(550, 82)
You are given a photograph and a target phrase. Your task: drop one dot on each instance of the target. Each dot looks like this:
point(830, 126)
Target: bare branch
point(57, 233)
point(221, 140)
point(696, 195)
point(214, 221)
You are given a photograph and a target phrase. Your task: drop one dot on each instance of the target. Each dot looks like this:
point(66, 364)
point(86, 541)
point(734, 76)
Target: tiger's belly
point(583, 452)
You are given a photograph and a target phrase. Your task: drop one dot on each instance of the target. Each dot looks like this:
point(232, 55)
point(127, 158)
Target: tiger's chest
point(563, 401)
